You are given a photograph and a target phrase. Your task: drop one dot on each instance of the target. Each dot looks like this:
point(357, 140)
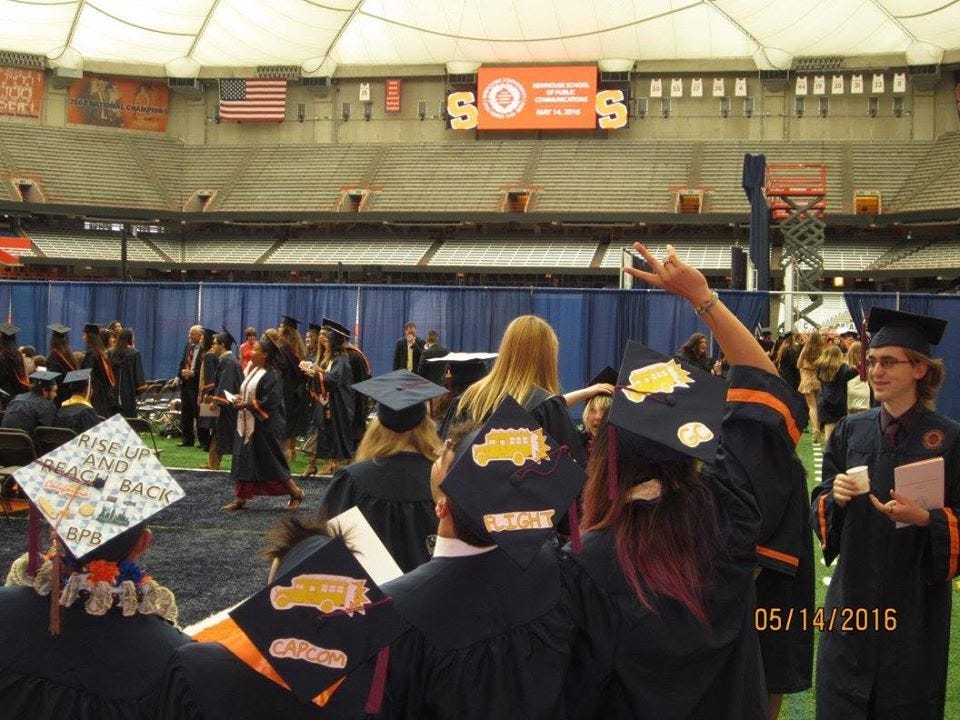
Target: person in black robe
point(360, 370)
point(103, 380)
point(665, 597)
point(30, 410)
point(60, 356)
point(206, 385)
point(296, 400)
point(390, 478)
point(490, 619)
point(76, 412)
point(526, 370)
point(330, 384)
point(890, 596)
point(259, 464)
point(432, 371)
point(229, 377)
point(14, 378)
point(694, 351)
point(786, 361)
point(100, 666)
point(128, 367)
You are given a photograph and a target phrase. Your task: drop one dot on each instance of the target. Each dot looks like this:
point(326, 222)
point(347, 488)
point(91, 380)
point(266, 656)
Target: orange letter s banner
point(611, 110)
point(462, 110)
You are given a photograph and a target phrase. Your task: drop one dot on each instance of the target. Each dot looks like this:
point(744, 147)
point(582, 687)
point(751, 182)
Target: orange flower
point(102, 571)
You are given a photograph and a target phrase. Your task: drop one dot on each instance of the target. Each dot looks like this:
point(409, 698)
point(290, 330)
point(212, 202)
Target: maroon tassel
point(379, 683)
point(613, 485)
point(55, 590)
point(575, 544)
point(33, 540)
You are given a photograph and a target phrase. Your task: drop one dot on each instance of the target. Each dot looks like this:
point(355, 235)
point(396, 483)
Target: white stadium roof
point(188, 38)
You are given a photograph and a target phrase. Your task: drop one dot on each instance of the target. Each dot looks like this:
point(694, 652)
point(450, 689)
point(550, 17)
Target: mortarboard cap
point(334, 326)
point(77, 376)
point(58, 329)
point(607, 375)
point(846, 329)
point(465, 367)
point(666, 408)
point(98, 485)
point(44, 377)
point(514, 481)
point(320, 619)
point(225, 334)
point(91, 328)
point(401, 396)
point(892, 327)
point(313, 327)
point(8, 329)
point(291, 321)
point(208, 335)
point(269, 346)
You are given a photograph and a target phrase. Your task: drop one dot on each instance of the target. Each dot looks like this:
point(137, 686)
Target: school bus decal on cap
point(326, 593)
point(514, 444)
point(661, 377)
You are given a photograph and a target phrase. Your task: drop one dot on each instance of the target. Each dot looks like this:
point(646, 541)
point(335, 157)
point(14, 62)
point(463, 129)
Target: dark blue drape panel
point(160, 316)
point(568, 314)
point(754, 171)
point(751, 308)
point(942, 306)
point(26, 301)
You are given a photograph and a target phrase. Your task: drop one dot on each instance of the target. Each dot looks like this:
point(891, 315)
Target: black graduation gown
point(229, 377)
point(334, 422)
point(130, 382)
point(634, 662)
point(261, 459)
point(28, 411)
point(486, 639)
point(13, 373)
point(296, 400)
point(103, 381)
point(58, 363)
point(208, 383)
point(205, 681)
point(393, 493)
point(360, 371)
point(78, 416)
point(902, 574)
point(105, 667)
point(788, 367)
point(550, 412)
point(832, 396)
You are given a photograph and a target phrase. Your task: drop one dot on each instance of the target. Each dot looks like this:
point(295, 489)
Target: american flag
point(253, 100)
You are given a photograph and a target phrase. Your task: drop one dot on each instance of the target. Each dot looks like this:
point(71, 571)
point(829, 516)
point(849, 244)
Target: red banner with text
point(119, 102)
point(21, 92)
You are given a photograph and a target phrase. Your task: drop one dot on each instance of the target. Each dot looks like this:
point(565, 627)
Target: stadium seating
point(541, 255)
point(330, 251)
point(86, 246)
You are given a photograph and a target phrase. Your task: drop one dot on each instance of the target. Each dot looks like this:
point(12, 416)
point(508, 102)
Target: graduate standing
point(886, 656)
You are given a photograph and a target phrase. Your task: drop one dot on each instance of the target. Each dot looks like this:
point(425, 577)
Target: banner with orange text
point(537, 98)
point(21, 92)
point(120, 102)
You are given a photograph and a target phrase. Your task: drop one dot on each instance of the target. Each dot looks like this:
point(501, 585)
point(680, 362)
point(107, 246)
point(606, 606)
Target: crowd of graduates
point(645, 566)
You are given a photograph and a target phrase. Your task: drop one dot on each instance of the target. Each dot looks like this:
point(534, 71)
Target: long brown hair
point(828, 363)
point(929, 385)
point(665, 548)
point(527, 360)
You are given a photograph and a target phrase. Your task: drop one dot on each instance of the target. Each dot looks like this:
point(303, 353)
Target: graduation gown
point(29, 410)
point(393, 493)
point(229, 377)
point(208, 383)
point(77, 414)
point(103, 381)
point(130, 382)
point(905, 572)
point(486, 639)
point(550, 412)
point(60, 363)
point(334, 421)
point(104, 667)
point(633, 662)
point(360, 371)
point(296, 400)
point(261, 460)
point(832, 396)
point(13, 373)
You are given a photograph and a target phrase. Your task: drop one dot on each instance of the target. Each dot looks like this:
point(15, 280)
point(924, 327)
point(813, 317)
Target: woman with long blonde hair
point(833, 374)
point(809, 384)
point(526, 370)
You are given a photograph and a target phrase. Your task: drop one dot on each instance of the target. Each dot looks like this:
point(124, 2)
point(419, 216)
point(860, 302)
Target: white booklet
point(922, 482)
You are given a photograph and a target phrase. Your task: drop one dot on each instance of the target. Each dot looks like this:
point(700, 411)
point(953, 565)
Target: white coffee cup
point(860, 476)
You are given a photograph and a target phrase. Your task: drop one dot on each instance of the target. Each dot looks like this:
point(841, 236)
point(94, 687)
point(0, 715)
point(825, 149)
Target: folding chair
point(16, 451)
point(141, 427)
point(46, 438)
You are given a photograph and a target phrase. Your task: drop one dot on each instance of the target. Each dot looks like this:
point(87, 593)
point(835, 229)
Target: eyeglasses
point(887, 363)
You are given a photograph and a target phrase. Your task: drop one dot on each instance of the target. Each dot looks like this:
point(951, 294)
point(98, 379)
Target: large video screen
point(537, 98)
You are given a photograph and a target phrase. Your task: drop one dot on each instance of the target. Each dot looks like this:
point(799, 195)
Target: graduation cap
point(8, 329)
point(334, 326)
point(208, 336)
point(58, 329)
point(892, 327)
point(313, 327)
point(844, 330)
point(91, 328)
point(514, 481)
point(228, 339)
point(465, 367)
point(291, 321)
point(401, 396)
point(321, 618)
point(271, 349)
point(607, 375)
point(44, 377)
point(77, 376)
point(665, 408)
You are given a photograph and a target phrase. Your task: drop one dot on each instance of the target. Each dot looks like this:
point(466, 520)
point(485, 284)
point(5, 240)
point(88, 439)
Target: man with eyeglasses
point(886, 623)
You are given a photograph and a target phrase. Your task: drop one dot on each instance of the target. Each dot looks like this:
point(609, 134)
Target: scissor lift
point(796, 193)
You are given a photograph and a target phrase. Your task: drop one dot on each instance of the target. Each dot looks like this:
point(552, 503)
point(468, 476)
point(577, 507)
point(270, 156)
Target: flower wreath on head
point(102, 585)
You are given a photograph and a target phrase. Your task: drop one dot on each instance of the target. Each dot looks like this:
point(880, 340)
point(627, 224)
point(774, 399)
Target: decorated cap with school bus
point(513, 481)
point(97, 485)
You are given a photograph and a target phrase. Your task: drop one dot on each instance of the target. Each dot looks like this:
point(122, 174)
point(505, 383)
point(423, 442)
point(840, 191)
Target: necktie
point(890, 433)
point(410, 358)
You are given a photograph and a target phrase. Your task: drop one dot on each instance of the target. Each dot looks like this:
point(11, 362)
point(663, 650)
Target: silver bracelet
point(714, 299)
